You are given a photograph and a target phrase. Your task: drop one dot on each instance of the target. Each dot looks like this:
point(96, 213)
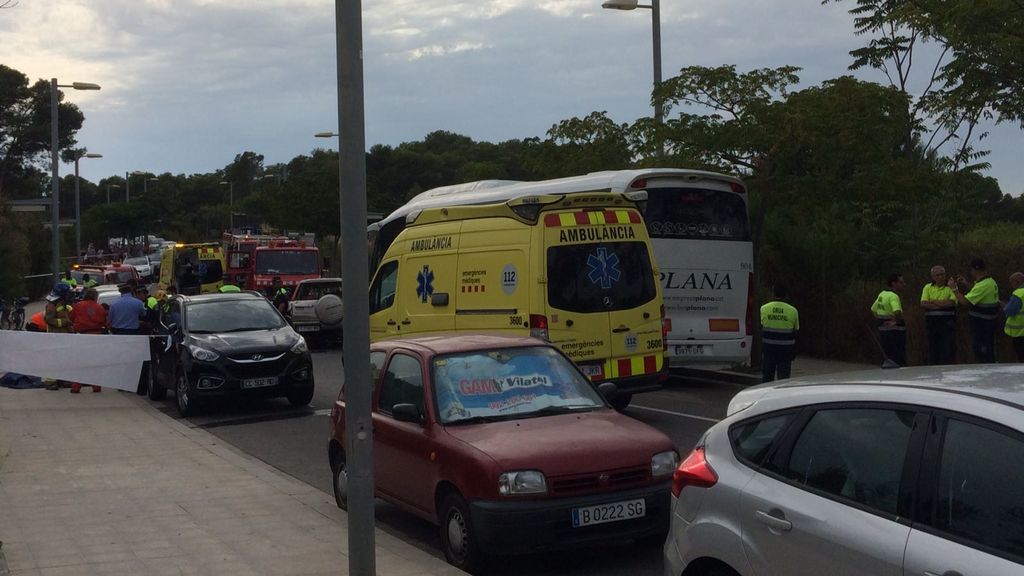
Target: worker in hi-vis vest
point(939, 303)
point(779, 324)
point(983, 300)
point(1014, 311)
point(892, 331)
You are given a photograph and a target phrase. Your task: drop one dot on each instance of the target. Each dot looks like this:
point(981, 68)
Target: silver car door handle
point(773, 522)
point(946, 573)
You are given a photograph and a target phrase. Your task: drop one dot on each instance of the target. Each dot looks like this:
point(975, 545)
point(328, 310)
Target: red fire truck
point(254, 260)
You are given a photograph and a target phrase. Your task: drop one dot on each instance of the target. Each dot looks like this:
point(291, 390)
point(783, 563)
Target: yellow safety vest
point(779, 323)
point(1015, 324)
point(885, 308)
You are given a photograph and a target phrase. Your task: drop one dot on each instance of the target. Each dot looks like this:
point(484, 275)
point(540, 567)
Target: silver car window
point(856, 454)
point(981, 487)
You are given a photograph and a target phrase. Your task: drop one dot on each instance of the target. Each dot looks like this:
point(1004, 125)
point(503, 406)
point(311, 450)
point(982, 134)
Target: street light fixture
point(231, 204)
point(78, 205)
point(326, 135)
point(55, 164)
point(655, 9)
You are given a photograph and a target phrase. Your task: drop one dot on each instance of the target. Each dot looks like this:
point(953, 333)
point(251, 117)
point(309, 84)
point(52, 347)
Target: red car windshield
point(509, 383)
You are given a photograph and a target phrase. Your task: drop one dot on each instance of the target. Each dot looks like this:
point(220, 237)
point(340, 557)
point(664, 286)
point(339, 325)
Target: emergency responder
point(69, 280)
point(88, 317)
point(1014, 311)
point(983, 300)
point(278, 294)
point(36, 323)
point(87, 281)
point(125, 312)
point(892, 331)
point(57, 316)
point(939, 303)
point(780, 322)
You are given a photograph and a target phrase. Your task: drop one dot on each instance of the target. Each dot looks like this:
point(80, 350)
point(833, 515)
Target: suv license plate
point(307, 328)
point(259, 382)
point(602, 513)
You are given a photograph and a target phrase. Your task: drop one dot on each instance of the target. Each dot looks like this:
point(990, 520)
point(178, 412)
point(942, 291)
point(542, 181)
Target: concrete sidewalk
point(106, 484)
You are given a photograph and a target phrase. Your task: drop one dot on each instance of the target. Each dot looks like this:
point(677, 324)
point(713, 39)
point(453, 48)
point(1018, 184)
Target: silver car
point(917, 472)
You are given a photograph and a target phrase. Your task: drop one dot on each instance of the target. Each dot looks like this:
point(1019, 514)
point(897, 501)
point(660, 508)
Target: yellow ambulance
point(574, 269)
point(193, 268)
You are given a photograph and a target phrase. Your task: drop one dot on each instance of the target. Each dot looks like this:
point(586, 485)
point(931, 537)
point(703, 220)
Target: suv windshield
point(600, 277)
point(286, 262)
point(509, 383)
point(219, 316)
point(315, 290)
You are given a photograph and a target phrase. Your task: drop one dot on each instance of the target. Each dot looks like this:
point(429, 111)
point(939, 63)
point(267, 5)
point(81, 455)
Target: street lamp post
point(55, 164)
point(655, 9)
point(78, 204)
point(231, 205)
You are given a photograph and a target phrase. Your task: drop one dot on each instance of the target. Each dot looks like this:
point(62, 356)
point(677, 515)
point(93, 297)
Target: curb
point(731, 377)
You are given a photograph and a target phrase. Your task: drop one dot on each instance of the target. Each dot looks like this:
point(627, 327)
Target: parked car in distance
point(505, 445)
point(306, 301)
point(141, 265)
point(107, 294)
point(229, 345)
point(105, 274)
point(917, 471)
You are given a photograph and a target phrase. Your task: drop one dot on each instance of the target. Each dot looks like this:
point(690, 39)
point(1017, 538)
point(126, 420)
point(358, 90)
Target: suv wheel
point(183, 395)
point(300, 396)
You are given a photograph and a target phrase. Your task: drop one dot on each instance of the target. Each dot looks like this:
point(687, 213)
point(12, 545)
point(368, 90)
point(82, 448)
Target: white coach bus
point(698, 222)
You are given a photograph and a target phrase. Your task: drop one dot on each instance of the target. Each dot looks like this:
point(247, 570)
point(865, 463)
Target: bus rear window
point(600, 277)
point(696, 213)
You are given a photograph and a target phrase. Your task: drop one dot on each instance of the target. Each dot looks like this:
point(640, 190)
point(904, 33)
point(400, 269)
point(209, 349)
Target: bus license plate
point(692, 350)
point(603, 513)
point(259, 382)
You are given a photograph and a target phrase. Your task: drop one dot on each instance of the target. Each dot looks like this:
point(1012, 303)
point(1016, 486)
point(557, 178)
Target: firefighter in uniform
point(983, 300)
point(1014, 311)
point(57, 316)
point(780, 322)
point(892, 331)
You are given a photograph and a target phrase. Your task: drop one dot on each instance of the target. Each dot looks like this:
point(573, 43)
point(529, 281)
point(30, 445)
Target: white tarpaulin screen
point(105, 360)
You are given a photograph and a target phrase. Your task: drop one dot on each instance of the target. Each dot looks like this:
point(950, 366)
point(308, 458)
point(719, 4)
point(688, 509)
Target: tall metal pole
point(78, 211)
point(656, 32)
point(356, 323)
point(55, 192)
point(231, 206)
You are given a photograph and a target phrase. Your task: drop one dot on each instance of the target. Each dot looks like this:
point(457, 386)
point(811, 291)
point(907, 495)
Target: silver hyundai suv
point(917, 472)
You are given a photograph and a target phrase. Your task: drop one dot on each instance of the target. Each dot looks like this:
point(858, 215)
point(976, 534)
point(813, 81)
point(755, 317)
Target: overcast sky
point(188, 84)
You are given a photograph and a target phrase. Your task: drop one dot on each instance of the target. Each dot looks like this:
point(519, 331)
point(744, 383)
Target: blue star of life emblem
point(425, 284)
point(604, 268)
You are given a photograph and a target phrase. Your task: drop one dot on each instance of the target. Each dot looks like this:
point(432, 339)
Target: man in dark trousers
point(892, 329)
point(780, 322)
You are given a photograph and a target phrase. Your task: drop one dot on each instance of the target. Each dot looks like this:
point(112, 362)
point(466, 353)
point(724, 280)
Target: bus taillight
point(666, 327)
point(750, 304)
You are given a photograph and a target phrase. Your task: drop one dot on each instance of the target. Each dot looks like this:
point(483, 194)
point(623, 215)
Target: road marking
point(681, 414)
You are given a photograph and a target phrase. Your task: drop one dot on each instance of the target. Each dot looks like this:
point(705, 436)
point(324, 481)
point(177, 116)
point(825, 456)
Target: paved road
point(295, 441)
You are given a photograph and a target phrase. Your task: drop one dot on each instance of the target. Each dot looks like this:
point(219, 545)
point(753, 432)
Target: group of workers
point(135, 312)
point(940, 299)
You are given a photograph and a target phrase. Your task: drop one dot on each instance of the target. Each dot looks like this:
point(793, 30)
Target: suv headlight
point(664, 463)
point(522, 482)
point(300, 346)
point(202, 353)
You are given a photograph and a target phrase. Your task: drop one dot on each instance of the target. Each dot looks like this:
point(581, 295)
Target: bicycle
point(16, 320)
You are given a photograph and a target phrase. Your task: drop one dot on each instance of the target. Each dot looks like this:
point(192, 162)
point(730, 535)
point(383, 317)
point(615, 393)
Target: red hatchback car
point(507, 447)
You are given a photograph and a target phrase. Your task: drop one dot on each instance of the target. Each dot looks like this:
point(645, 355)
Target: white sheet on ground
point(105, 360)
